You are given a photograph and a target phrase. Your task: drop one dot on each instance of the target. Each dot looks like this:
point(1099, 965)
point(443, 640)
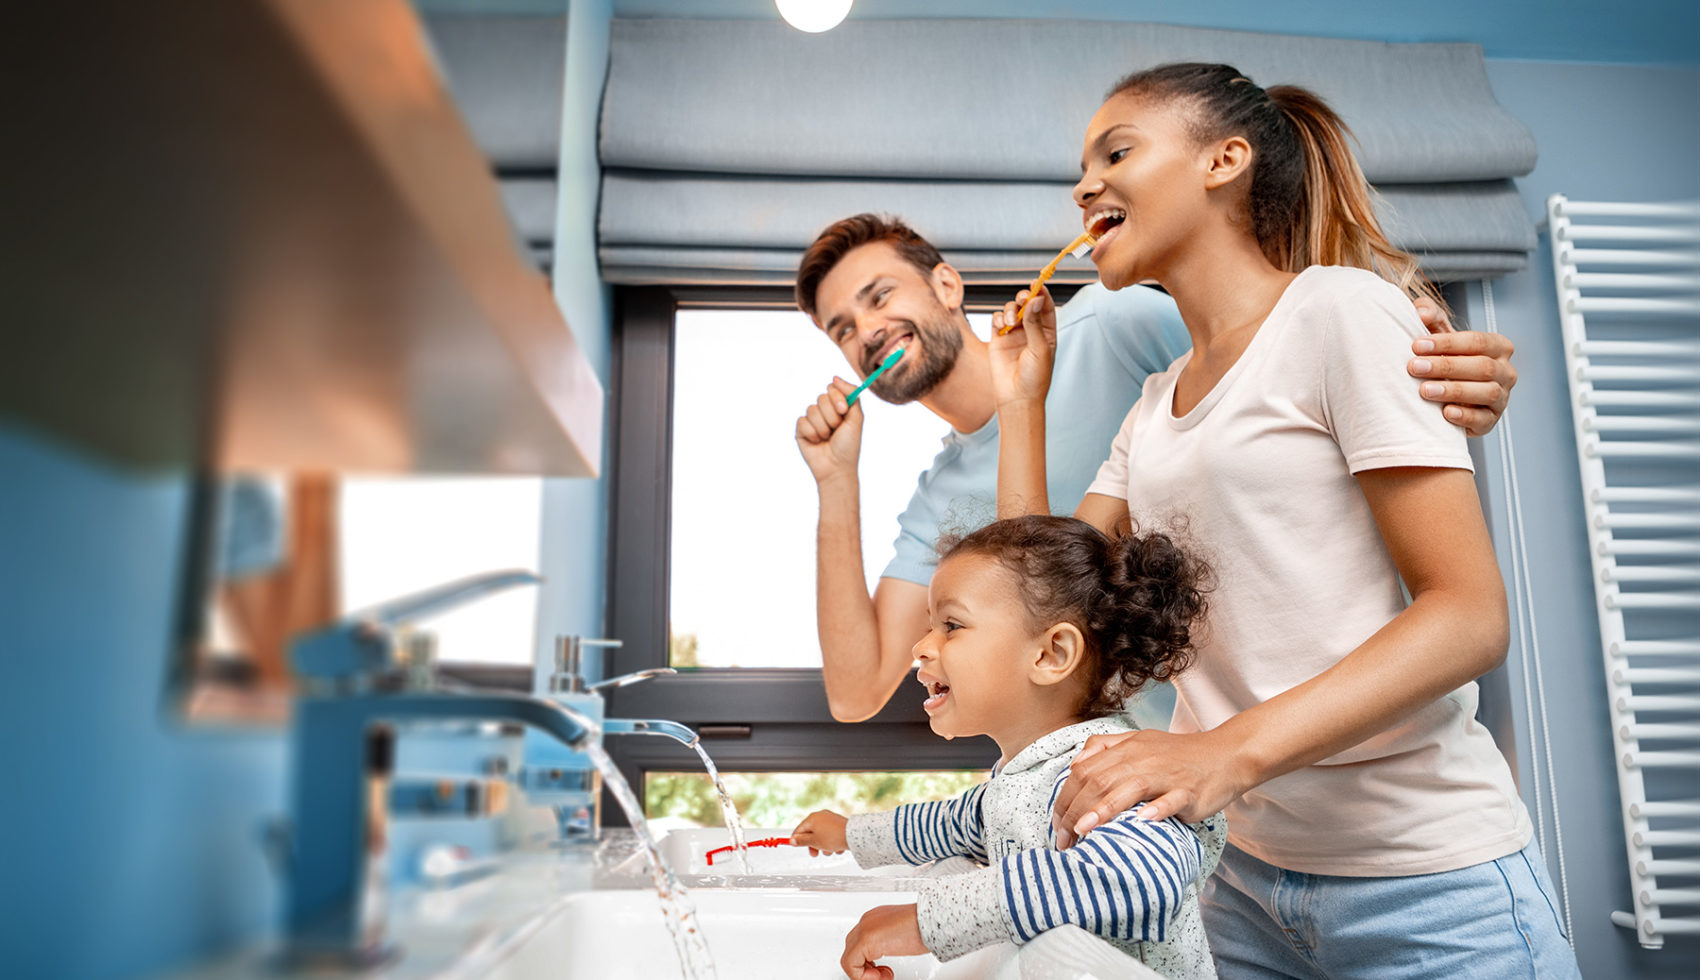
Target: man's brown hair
point(840, 237)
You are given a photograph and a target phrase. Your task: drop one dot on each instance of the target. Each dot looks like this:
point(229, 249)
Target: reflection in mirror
point(259, 567)
point(271, 556)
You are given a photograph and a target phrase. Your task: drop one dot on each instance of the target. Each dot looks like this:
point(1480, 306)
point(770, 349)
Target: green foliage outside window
point(781, 799)
point(683, 651)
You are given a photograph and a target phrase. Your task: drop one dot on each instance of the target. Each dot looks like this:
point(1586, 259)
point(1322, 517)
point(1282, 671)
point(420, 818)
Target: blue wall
point(1632, 31)
point(132, 845)
point(1609, 133)
point(575, 528)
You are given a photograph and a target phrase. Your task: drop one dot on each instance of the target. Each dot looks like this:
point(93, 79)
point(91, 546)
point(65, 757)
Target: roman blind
point(728, 145)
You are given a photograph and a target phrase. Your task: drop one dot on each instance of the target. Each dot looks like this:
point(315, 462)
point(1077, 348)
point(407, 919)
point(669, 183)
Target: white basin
point(539, 918)
point(767, 934)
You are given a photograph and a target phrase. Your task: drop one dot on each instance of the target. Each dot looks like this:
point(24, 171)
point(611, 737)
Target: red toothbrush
point(769, 842)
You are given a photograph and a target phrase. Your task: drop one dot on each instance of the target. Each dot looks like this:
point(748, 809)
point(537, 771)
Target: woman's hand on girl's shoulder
point(1022, 357)
point(1191, 777)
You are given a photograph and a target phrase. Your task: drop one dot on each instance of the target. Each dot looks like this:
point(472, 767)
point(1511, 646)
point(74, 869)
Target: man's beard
point(941, 342)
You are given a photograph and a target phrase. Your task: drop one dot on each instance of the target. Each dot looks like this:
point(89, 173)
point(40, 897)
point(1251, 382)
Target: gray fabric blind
point(505, 74)
point(728, 145)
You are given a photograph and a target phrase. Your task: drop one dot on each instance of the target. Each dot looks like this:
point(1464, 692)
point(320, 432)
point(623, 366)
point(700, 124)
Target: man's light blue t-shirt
point(1107, 343)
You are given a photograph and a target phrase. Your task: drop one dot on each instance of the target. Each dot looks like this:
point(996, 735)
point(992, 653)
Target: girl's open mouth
point(936, 693)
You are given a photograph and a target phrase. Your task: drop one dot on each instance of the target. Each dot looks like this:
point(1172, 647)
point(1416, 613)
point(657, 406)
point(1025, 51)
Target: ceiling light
point(813, 16)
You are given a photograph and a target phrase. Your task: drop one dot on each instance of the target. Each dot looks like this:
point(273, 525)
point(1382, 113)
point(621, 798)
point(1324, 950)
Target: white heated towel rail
point(1629, 301)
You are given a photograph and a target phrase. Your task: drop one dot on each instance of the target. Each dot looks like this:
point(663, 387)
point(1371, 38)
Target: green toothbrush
point(890, 359)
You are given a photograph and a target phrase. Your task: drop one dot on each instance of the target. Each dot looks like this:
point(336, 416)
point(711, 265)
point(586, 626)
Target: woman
point(1374, 828)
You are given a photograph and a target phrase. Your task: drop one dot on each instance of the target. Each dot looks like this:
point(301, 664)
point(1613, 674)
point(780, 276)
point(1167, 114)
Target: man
point(871, 284)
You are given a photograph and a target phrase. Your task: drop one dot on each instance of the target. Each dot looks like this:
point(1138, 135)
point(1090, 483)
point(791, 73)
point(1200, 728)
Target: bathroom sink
point(774, 934)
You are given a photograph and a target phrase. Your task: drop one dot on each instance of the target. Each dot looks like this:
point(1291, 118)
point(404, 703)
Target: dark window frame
point(750, 719)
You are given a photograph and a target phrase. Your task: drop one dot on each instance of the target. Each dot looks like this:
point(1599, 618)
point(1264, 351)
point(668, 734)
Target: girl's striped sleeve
point(1125, 881)
point(917, 833)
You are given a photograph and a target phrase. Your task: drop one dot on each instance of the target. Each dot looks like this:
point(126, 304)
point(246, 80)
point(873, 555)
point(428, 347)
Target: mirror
point(261, 564)
point(271, 554)
point(268, 556)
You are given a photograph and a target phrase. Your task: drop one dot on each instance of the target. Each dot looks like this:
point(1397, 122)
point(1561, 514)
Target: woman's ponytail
point(1308, 199)
point(1335, 223)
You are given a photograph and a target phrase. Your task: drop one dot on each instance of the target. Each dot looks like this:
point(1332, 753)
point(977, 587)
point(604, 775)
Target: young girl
point(1376, 830)
point(1040, 629)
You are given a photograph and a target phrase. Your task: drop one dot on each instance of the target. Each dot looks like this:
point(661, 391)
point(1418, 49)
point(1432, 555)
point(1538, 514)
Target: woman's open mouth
point(1105, 225)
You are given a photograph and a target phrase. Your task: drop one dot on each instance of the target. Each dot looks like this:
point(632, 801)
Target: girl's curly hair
point(1135, 597)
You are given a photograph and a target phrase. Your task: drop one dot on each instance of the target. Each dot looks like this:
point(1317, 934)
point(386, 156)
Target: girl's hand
point(822, 832)
point(1185, 776)
point(889, 930)
point(1022, 358)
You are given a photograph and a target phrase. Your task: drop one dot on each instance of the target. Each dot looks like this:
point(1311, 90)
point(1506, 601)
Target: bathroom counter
point(591, 912)
point(468, 929)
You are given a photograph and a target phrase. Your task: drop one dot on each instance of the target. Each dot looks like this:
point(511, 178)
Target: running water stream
point(734, 826)
point(676, 904)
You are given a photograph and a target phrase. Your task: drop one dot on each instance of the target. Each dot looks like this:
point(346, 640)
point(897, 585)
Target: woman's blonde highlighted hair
point(1310, 203)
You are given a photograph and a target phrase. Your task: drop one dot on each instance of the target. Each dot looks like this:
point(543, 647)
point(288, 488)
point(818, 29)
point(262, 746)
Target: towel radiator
point(1628, 279)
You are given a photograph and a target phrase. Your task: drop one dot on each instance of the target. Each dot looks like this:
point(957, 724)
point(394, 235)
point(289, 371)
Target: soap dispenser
point(553, 775)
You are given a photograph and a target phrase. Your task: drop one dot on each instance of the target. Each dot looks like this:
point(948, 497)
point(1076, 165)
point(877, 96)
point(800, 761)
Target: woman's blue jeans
point(1497, 920)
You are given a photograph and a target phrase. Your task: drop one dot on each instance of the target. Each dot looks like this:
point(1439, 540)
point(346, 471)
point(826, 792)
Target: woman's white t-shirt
point(1257, 479)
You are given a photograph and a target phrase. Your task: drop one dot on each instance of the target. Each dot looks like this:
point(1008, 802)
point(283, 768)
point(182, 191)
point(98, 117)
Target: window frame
point(751, 719)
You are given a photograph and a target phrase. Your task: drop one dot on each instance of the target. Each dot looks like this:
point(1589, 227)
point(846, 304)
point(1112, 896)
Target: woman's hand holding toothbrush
point(1022, 357)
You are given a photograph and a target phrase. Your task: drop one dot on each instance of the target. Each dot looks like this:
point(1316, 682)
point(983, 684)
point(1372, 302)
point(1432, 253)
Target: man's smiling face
point(874, 300)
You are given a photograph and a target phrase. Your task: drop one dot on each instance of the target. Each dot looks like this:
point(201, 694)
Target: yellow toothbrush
point(1077, 248)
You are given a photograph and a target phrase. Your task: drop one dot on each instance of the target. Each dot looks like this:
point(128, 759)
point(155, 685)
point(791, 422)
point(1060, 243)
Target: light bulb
point(813, 16)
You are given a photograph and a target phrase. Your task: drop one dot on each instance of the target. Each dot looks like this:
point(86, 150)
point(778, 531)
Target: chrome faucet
point(356, 685)
point(637, 726)
point(631, 678)
point(566, 674)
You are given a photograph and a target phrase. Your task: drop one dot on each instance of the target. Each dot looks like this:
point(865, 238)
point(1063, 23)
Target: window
point(743, 503)
point(712, 540)
point(780, 800)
